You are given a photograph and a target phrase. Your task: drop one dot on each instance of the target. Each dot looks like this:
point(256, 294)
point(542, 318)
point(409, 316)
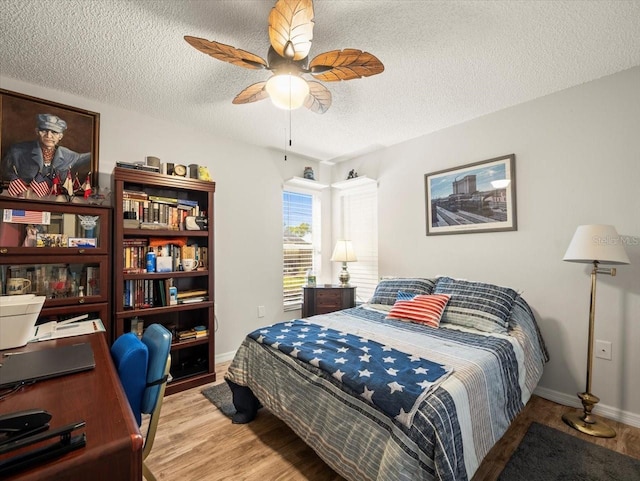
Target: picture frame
point(82, 242)
point(472, 198)
point(19, 124)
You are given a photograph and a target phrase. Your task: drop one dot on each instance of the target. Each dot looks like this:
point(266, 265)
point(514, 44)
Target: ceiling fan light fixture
point(287, 91)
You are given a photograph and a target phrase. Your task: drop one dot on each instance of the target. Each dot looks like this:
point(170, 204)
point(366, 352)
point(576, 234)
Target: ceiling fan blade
point(346, 64)
point(252, 93)
point(291, 28)
point(319, 98)
point(226, 53)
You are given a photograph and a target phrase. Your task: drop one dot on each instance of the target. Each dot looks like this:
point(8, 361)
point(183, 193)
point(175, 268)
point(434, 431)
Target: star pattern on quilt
point(393, 381)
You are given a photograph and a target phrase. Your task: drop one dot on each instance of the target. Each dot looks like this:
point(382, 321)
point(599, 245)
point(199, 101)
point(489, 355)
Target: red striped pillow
point(424, 309)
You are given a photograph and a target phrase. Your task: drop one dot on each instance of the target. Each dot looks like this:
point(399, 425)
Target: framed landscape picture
point(477, 197)
point(30, 127)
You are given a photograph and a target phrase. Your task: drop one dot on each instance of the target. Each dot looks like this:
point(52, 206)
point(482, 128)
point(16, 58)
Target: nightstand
point(327, 298)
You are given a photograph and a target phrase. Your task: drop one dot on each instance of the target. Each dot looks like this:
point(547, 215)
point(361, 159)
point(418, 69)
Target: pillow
point(485, 307)
point(424, 309)
point(387, 289)
point(404, 296)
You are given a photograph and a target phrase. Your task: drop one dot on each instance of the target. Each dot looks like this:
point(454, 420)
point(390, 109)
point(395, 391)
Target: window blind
point(359, 219)
point(297, 245)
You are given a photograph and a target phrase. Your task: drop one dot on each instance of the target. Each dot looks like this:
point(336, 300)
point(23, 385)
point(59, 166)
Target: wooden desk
point(114, 443)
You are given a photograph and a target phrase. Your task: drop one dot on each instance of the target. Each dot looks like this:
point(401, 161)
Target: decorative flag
point(77, 187)
point(68, 184)
point(40, 185)
point(17, 216)
point(87, 186)
point(55, 187)
point(17, 186)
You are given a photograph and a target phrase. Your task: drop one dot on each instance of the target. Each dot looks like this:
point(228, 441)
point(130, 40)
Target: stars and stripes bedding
point(394, 381)
point(491, 378)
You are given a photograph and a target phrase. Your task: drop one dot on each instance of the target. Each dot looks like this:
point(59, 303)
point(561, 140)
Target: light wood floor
point(195, 441)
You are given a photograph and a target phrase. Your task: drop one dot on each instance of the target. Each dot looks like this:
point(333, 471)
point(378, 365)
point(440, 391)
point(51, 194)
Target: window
point(358, 220)
point(300, 243)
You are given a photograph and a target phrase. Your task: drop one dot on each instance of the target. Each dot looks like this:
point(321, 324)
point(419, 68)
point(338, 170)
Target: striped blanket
point(454, 426)
point(394, 381)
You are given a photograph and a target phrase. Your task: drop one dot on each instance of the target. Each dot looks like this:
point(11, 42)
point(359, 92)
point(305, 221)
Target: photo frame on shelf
point(476, 197)
point(82, 242)
point(22, 119)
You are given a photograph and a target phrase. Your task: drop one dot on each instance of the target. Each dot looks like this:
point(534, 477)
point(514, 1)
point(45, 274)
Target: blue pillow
point(485, 307)
point(405, 296)
point(387, 289)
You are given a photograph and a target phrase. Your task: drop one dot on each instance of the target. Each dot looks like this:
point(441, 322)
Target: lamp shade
point(596, 243)
point(343, 252)
point(287, 91)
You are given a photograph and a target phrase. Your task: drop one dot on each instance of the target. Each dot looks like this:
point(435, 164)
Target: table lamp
point(343, 252)
point(593, 244)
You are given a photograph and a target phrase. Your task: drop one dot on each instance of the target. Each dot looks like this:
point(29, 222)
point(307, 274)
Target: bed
point(479, 343)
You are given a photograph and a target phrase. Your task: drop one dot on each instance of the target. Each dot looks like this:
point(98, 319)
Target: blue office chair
point(143, 367)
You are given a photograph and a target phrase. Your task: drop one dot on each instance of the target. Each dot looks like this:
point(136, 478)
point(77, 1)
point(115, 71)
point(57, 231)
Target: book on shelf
point(195, 333)
point(134, 194)
point(192, 293)
point(163, 200)
point(193, 300)
point(146, 293)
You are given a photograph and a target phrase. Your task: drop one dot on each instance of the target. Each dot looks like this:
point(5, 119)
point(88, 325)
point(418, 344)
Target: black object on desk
point(23, 367)
point(65, 444)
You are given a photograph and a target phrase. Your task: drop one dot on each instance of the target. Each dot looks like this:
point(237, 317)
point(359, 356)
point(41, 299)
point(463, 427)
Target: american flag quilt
point(396, 382)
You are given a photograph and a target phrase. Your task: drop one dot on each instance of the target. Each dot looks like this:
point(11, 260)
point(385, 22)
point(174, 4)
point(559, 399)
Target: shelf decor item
point(593, 244)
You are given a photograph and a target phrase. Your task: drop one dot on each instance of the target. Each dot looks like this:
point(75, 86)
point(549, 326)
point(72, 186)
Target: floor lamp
point(593, 244)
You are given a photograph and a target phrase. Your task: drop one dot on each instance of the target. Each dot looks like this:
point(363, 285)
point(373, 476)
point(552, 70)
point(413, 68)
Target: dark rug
point(546, 454)
point(220, 396)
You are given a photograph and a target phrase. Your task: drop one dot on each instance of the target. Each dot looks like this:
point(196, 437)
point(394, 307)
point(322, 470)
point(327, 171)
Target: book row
point(164, 258)
point(144, 211)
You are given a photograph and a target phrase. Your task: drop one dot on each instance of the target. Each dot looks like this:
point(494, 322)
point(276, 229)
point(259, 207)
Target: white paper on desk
point(53, 330)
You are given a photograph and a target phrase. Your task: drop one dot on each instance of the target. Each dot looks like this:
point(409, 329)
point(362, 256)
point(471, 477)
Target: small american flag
point(17, 216)
point(17, 186)
point(40, 185)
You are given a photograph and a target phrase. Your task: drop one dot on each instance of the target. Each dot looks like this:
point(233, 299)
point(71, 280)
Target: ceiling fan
point(290, 34)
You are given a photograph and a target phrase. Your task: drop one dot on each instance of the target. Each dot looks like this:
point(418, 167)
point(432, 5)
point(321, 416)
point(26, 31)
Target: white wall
point(248, 204)
point(577, 162)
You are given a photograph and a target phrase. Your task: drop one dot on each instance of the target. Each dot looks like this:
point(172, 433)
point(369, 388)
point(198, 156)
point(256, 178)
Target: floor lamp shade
point(344, 252)
point(599, 243)
point(593, 244)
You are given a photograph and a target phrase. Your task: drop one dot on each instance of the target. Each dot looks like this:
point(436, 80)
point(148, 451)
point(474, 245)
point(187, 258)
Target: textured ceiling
point(445, 62)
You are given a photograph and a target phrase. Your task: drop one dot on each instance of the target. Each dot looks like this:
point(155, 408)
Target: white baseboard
point(227, 356)
point(609, 412)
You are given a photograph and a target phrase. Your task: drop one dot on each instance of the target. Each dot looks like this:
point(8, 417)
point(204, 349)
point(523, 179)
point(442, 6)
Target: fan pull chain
point(285, 144)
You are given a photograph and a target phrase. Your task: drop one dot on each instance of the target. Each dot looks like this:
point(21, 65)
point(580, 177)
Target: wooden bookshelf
point(154, 207)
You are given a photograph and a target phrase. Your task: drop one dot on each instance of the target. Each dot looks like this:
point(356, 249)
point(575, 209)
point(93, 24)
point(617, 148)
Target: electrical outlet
point(603, 350)
point(260, 311)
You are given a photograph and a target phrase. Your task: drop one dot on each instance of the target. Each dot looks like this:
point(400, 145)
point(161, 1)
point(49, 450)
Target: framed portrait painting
point(45, 144)
point(477, 197)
